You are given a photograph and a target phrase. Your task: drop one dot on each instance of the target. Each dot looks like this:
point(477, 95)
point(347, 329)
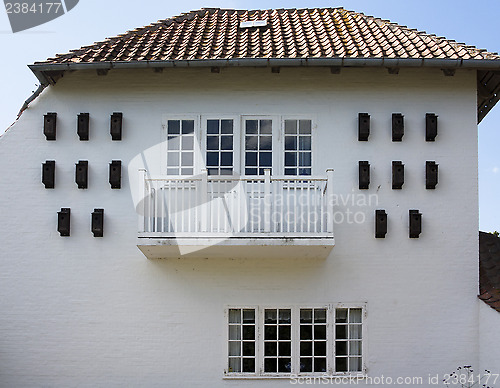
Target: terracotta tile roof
point(212, 34)
point(489, 269)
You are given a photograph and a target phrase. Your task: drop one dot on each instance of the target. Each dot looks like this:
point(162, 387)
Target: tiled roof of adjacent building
point(489, 269)
point(286, 33)
point(331, 37)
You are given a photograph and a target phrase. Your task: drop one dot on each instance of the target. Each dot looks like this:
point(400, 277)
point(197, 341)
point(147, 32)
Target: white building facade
point(237, 246)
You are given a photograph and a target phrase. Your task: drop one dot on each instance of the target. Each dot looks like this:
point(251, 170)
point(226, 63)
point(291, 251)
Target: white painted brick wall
point(83, 311)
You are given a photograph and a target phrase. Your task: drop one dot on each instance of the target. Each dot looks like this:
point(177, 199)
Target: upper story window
point(180, 147)
point(220, 146)
point(246, 145)
point(295, 341)
point(298, 147)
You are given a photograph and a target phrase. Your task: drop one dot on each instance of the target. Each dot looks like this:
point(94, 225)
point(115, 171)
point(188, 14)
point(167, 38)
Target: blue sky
point(473, 22)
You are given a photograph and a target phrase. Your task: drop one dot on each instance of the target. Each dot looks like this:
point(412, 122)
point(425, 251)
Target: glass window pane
point(320, 315)
point(341, 331)
point(306, 332)
point(249, 332)
point(234, 332)
point(341, 315)
point(355, 332)
point(270, 333)
point(213, 171)
point(285, 316)
point(212, 142)
point(187, 126)
point(235, 365)
point(226, 158)
point(354, 364)
point(306, 316)
point(290, 171)
point(251, 127)
point(226, 143)
point(172, 171)
point(270, 316)
point(227, 126)
point(290, 126)
point(173, 127)
point(251, 159)
point(234, 348)
point(251, 142)
point(212, 126)
point(186, 171)
point(270, 365)
point(226, 171)
point(249, 348)
point(306, 364)
point(172, 159)
point(266, 127)
point(341, 364)
point(320, 332)
point(173, 142)
point(304, 126)
point(250, 171)
point(285, 348)
point(305, 143)
point(284, 365)
point(341, 348)
point(304, 159)
point(306, 348)
point(188, 143)
point(320, 364)
point(249, 365)
point(266, 143)
point(270, 349)
point(355, 315)
point(265, 159)
point(187, 159)
point(290, 159)
point(320, 348)
point(248, 316)
point(290, 143)
point(355, 348)
point(234, 316)
point(212, 158)
point(304, 171)
point(284, 333)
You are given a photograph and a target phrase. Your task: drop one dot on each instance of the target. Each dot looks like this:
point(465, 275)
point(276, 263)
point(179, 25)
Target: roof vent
point(253, 23)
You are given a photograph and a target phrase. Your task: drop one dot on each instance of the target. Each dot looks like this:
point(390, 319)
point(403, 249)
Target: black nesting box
point(83, 126)
point(363, 126)
point(398, 127)
point(49, 174)
point(431, 175)
point(98, 222)
point(415, 223)
point(364, 175)
point(116, 126)
point(81, 174)
point(398, 175)
point(380, 223)
point(431, 126)
point(115, 174)
point(49, 125)
point(64, 221)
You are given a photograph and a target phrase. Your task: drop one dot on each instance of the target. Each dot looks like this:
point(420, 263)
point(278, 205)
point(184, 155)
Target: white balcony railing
point(231, 206)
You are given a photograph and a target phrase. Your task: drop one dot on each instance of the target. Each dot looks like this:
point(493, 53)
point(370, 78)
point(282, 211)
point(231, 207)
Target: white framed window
point(297, 146)
point(259, 141)
point(285, 341)
point(220, 141)
point(181, 147)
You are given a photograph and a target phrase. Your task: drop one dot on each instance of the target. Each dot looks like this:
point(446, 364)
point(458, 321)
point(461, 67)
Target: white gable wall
point(83, 311)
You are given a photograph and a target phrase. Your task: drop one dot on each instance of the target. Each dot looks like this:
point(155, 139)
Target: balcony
point(235, 217)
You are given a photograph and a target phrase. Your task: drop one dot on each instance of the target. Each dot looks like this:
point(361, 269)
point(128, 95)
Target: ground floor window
point(298, 340)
